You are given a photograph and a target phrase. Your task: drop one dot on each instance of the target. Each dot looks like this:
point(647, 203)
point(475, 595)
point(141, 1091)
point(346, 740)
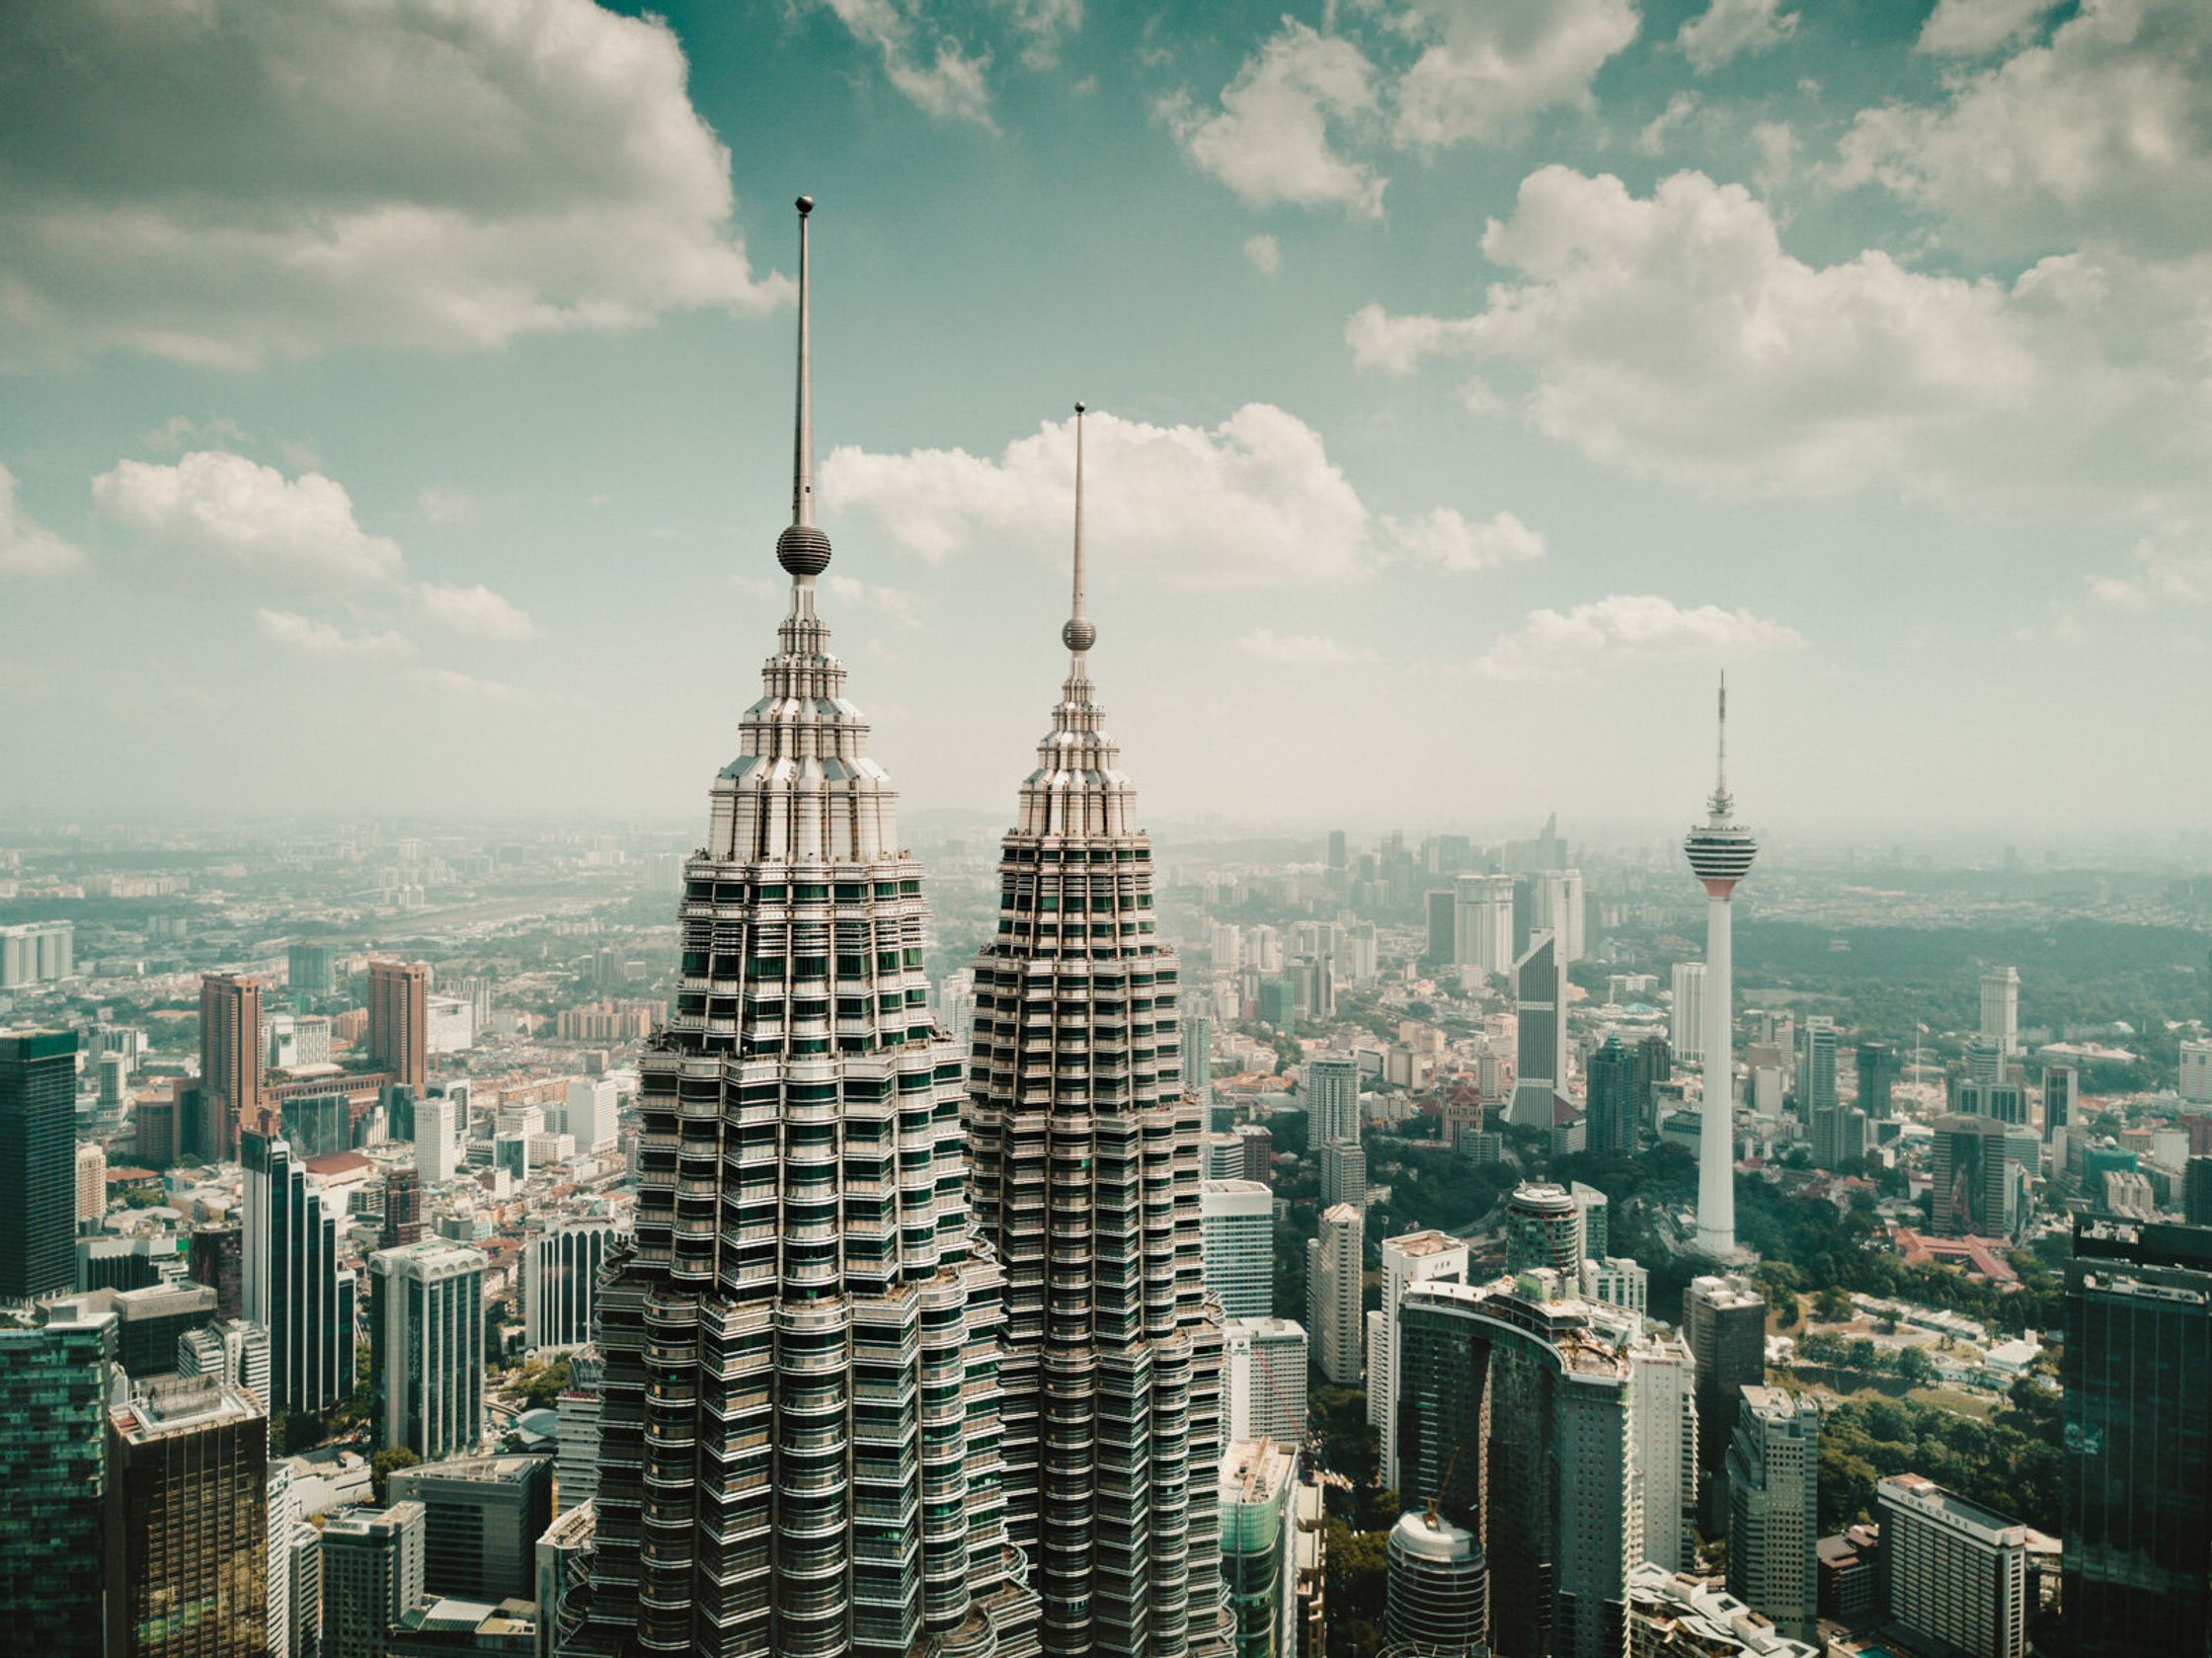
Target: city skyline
point(443, 496)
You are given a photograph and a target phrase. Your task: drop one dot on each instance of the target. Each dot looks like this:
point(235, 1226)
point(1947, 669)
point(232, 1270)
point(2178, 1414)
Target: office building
point(1686, 1014)
point(54, 1384)
point(576, 1427)
point(230, 1060)
point(399, 1021)
point(36, 953)
point(1441, 913)
point(1539, 1060)
point(283, 1514)
point(2005, 1102)
point(186, 1521)
point(426, 1334)
point(1516, 1422)
point(560, 1280)
point(1720, 852)
point(1334, 1263)
point(1951, 1575)
point(152, 1320)
point(1259, 1568)
point(1483, 926)
point(481, 1517)
point(233, 1350)
point(372, 1563)
point(589, 1117)
point(1085, 1146)
point(1560, 909)
point(2062, 1099)
point(1436, 1589)
point(1974, 1180)
point(310, 970)
point(564, 1579)
point(403, 1209)
point(1330, 1089)
point(38, 1149)
point(2136, 1373)
point(2197, 1073)
point(1264, 1367)
point(1817, 1092)
point(439, 1126)
point(304, 1558)
point(1611, 1117)
point(1407, 1259)
point(803, 1267)
point(1259, 1150)
point(1343, 1170)
point(2001, 1010)
point(2196, 1192)
point(290, 1282)
point(1221, 1157)
point(1773, 1516)
point(1724, 1321)
point(1878, 1072)
point(1663, 1377)
point(1238, 1226)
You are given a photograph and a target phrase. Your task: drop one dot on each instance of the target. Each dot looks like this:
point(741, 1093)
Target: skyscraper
point(426, 1336)
point(481, 1517)
point(1258, 1564)
point(1436, 1589)
point(1720, 851)
point(399, 1021)
point(436, 1141)
point(1539, 1060)
point(1953, 1574)
point(1685, 1017)
point(39, 1151)
point(1877, 1078)
point(2136, 1371)
point(1774, 1518)
point(1664, 1375)
point(290, 1282)
point(1973, 1178)
point(372, 1572)
point(403, 1209)
point(230, 1058)
point(1334, 1262)
point(1329, 1088)
point(1482, 924)
point(1611, 1119)
point(1724, 1320)
point(188, 1522)
point(1085, 1146)
point(2001, 1010)
point(560, 1280)
point(1543, 1232)
point(1264, 1366)
point(310, 970)
point(1238, 1223)
point(1407, 1259)
point(803, 1340)
point(53, 1394)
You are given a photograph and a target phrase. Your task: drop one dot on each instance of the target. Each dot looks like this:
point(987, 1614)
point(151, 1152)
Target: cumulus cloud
point(1307, 649)
point(27, 547)
point(1653, 140)
point(1270, 140)
point(1971, 28)
point(1624, 628)
point(221, 183)
point(1265, 254)
point(2103, 133)
point(213, 502)
point(2160, 573)
point(324, 640)
point(1731, 29)
point(1672, 336)
point(1253, 501)
point(1487, 67)
point(475, 610)
point(1445, 538)
point(936, 74)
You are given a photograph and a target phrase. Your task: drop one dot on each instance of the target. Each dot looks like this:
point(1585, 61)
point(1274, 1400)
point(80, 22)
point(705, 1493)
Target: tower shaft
point(1716, 1181)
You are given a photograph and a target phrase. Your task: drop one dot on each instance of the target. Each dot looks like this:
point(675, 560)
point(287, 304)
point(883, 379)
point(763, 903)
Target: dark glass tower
point(1612, 1121)
point(39, 1151)
point(290, 1282)
point(1086, 1179)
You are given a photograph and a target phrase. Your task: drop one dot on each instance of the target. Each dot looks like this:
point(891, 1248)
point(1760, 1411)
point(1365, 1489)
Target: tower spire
point(1722, 802)
point(1081, 633)
point(804, 550)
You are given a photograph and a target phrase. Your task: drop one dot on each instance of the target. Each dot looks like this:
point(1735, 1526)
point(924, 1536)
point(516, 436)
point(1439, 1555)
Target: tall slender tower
point(1086, 1177)
point(1720, 851)
point(799, 1448)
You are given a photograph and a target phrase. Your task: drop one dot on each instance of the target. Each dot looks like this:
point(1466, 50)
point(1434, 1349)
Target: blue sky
point(394, 400)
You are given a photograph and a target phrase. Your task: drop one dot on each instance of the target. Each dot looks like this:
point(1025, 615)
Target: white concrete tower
point(1720, 851)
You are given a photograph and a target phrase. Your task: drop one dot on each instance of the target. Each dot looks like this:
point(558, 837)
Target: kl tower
point(1720, 851)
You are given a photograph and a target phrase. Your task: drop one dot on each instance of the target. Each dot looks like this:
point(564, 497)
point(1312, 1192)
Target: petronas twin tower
point(858, 1398)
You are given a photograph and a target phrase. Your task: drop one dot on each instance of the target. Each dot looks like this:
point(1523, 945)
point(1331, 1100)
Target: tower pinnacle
point(1081, 633)
point(804, 550)
point(1722, 802)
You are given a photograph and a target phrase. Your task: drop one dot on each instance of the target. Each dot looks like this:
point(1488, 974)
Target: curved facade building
point(1086, 1180)
point(1437, 1590)
point(799, 1432)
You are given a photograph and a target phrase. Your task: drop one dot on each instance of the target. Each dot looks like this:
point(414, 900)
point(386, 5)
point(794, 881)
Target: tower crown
point(1720, 849)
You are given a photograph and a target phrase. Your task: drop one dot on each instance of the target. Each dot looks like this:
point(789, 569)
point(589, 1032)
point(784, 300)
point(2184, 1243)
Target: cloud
point(1310, 649)
point(1443, 538)
point(310, 638)
point(1971, 28)
point(2103, 134)
point(474, 610)
point(1628, 628)
point(894, 602)
point(27, 547)
point(937, 76)
point(1269, 141)
point(1777, 144)
point(225, 503)
point(181, 431)
point(1487, 67)
point(1731, 29)
point(2162, 575)
point(445, 507)
point(1673, 336)
point(451, 681)
point(1265, 254)
point(1252, 502)
point(286, 179)
point(1653, 140)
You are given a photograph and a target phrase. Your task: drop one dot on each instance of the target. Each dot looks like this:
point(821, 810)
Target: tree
point(1914, 1367)
point(1833, 1304)
point(384, 1463)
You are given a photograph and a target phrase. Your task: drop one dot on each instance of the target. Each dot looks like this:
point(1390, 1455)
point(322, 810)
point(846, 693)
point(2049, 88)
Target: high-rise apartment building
point(403, 1209)
point(186, 1521)
point(437, 1140)
point(1407, 1259)
point(1329, 1088)
point(1952, 1575)
point(2001, 1010)
point(2197, 1073)
point(1334, 1262)
point(804, 1339)
point(1343, 1170)
point(231, 1060)
point(1539, 1056)
point(399, 1021)
point(54, 1382)
point(1720, 851)
point(1237, 1225)
point(1724, 1321)
point(2136, 1371)
point(36, 953)
point(1482, 925)
point(1686, 1014)
point(91, 1174)
point(560, 1280)
point(1773, 1516)
point(426, 1335)
point(372, 1574)
point(1085, 1147)
point(1436, 1589)
point(1543, 1232)
point(481, 1517)
point(1663, 1376)
point(1258, 1533)
point(38, 1150)
point(290, 1282)
point(1265, 1361)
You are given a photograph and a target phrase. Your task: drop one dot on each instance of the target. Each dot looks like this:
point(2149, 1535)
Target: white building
point(1237, 1219)
point(1664, 1387)
point(2001, 1010)
point(591, 1115)
point(1955, 1571)
point(92, 1182)
point(1686, 1017)
point(1482, 925)
point(436, 1141)
point(1264, 1366)
point(451, 1026)
point(36, 953)
point(560, 1280)
point(237, 1351)
point(2197, 1075)
point(1560, 908)
point(1410, 1259)
point(1333, 1266)
point(1330, 1089)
